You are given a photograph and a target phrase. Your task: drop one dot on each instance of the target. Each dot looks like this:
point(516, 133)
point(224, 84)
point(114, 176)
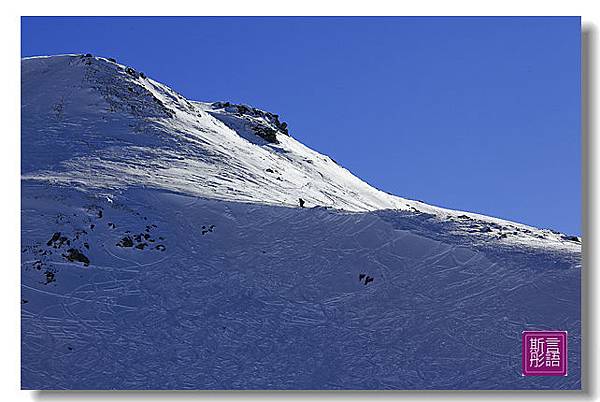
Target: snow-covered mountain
point(169, 243)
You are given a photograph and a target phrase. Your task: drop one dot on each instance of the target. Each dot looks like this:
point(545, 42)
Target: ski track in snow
point(231, 285)
point(271, 299)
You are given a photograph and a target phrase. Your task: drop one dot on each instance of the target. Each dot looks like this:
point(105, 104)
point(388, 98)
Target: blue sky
point(478, 114)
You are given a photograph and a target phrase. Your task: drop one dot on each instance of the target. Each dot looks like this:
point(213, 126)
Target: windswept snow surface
point(163, 247)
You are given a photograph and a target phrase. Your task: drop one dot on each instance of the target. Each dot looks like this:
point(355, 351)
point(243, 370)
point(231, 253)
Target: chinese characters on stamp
point(544, 353)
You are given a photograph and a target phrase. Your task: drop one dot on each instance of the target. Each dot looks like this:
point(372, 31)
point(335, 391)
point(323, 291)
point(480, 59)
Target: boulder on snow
point(266, 133)
point(74, 254)
point(132, 72)
point(125, 242)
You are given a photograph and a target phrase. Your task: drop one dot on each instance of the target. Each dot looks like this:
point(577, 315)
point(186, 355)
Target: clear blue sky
point(478, 114)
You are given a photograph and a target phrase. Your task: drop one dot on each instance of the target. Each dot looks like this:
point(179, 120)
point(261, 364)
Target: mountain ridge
point(267, 164)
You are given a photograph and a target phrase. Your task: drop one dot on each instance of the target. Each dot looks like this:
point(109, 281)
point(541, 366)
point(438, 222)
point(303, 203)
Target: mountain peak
point(92, 123)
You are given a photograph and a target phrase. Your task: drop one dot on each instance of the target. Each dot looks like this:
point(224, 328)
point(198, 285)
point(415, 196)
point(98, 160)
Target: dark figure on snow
point(301, 202)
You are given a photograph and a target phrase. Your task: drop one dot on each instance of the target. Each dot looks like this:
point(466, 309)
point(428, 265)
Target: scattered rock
point(54, 238)
point(266, 133)
point(74, 254)
point(571, 238)
point(57, 240)
point(125, 242)
point(50, 277)
point(132, 72)
point(80, 233)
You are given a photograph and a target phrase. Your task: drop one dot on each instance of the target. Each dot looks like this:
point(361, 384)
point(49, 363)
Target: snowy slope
point(109, 129)
point(163, 247)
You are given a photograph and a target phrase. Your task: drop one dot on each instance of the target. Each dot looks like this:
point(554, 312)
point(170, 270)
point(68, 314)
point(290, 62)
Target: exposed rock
point(125, 242)
point(74, 254)
point(571, 238)
point(50, 277)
